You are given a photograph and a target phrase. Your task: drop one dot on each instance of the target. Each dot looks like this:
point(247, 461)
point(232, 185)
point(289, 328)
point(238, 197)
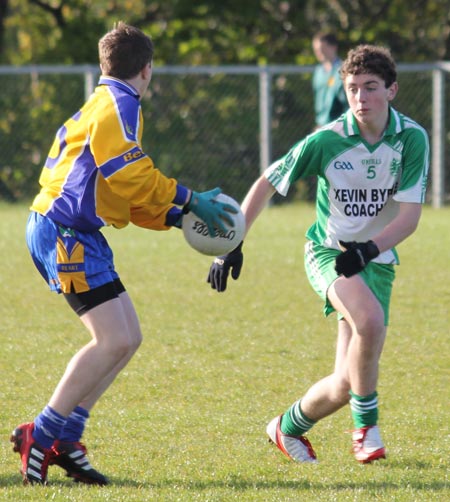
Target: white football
point(196, 232)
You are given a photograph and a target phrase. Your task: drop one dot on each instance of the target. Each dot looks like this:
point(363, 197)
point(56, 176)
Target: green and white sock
point(364, 409)
point(294, 422)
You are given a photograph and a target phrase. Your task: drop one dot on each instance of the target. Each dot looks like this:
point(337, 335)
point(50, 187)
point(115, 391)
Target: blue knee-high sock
point(48, 426)
point(75, 424)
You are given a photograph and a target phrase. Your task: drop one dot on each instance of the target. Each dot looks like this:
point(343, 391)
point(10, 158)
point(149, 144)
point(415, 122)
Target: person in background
point(97, 174)
point(372, 166)
point(329, 95)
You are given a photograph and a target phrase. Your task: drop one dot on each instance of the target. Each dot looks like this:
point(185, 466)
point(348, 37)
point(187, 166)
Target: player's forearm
point(256, 200)
point(400, 228)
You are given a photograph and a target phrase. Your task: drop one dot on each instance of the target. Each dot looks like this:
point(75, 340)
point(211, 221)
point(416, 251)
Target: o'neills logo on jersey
point(371, 162)
point(345, 166)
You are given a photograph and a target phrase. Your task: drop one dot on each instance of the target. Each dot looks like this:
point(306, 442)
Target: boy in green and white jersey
point(360, 185)
point(371, 165)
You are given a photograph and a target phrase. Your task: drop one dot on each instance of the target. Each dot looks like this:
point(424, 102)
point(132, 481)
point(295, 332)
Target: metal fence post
point(265, 119)
point(89, 83)
point(438, 139)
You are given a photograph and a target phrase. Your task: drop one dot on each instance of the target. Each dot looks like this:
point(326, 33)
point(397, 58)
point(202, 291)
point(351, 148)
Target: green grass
point(185, 421)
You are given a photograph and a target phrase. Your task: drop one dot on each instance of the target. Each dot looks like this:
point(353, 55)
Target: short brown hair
point(372, 59)
point(328, 38)
point(124, 51)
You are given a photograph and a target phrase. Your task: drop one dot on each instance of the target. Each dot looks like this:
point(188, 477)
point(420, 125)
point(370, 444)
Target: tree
point(226, 32)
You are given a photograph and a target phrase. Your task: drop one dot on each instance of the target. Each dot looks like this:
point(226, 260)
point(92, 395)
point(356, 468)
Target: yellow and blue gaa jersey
point(97, 174)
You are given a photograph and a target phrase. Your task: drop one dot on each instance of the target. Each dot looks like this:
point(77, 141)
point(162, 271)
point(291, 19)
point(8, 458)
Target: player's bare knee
point(371, 325)
point(119, 347)
point(136, 342)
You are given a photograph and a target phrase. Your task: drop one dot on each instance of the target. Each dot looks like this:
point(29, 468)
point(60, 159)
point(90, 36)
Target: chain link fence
point(205, 126)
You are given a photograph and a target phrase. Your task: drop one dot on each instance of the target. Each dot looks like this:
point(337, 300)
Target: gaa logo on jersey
point(342, 165)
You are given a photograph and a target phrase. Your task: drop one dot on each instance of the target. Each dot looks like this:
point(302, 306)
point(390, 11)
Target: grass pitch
point(185, 421)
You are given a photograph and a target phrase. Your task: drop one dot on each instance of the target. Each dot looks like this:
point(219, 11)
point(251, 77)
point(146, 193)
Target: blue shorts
point(70, 261)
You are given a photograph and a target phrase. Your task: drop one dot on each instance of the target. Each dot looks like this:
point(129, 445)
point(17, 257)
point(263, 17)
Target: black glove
point(355, 256)
point(220, 268)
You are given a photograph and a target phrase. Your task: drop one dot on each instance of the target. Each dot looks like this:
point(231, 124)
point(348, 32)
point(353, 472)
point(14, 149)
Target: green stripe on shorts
point(319, 266)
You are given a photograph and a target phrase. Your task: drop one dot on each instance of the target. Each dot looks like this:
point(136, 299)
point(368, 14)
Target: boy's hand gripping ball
point(197, 236)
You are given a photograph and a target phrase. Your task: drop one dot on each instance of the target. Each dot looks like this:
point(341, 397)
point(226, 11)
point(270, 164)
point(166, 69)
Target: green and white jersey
point(359, 185)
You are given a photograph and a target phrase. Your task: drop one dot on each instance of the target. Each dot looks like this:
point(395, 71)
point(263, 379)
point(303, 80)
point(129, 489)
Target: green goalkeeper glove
point(213, 212)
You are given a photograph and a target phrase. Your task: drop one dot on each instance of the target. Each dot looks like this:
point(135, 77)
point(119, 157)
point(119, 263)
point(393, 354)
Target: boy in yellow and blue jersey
point(97, 174)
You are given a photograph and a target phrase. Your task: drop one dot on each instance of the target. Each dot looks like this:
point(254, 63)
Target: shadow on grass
point(243, 485)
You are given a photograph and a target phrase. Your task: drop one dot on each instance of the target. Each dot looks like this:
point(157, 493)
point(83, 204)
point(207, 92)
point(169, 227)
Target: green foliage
point(34, 106)
point(185, 420)
point(227, 32)
point(212, 121)
point(66, 34)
